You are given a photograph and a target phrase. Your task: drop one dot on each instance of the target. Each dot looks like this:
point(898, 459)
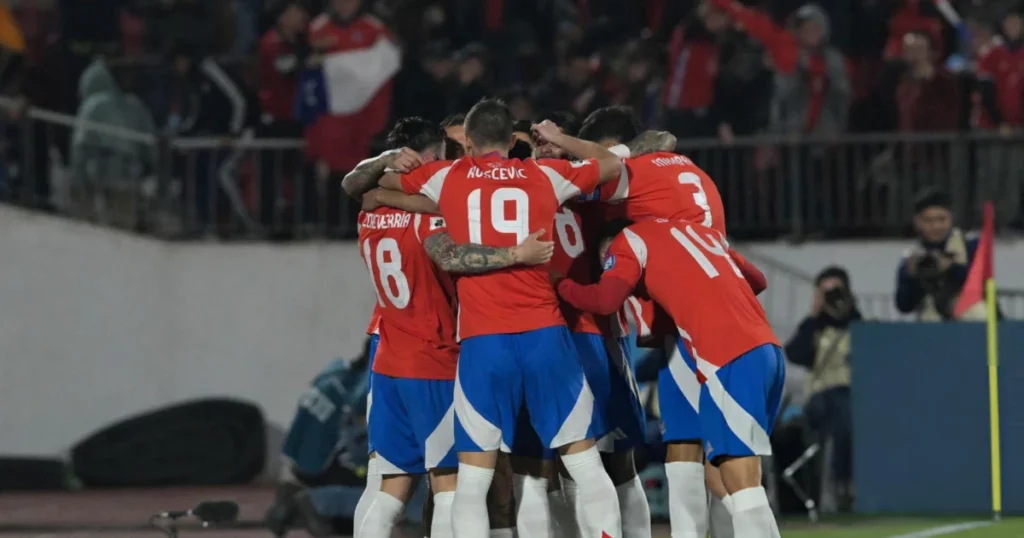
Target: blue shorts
point(679, 395)
point(740, 401)
point(374, 340)
point(619, 419)
point(413, 424)
point(499, 373)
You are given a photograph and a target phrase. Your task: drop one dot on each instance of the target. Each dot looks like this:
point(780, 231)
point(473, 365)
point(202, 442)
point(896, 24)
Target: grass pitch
point(907, 528)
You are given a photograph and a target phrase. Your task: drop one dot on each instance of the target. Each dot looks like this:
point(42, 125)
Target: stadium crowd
point(720, 69)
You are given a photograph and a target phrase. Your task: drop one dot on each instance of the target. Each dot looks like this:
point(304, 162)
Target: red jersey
point(687, 269)
point(569, 260)
point(280, 65)
point(374, 326)
point(1005, 68)
point(416, 300)
point(666, 186)
point(498, 202)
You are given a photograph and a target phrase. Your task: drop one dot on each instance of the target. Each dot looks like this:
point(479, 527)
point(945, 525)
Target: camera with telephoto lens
point(928, 268)
point(838, 299)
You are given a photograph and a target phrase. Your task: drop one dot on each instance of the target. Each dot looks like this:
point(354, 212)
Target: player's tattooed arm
point(471, 258)
point(651, 142)
point(368, 173)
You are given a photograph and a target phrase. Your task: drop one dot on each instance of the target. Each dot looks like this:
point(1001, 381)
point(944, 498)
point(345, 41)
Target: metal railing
point(852, 186)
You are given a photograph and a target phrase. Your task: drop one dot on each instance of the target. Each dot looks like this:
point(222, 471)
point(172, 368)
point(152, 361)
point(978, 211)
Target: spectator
point(913, 16)
point(471, 75)
point(108, 167)
point(822, 345)
point(997, 101)
point(357, 60)
point(812, 87)
point(207, 101)
point(282, 53)
point(420, 87)
point(931, 275)
point(693, 65)
point(927, 96)
point(173, 22)
point(571, 87)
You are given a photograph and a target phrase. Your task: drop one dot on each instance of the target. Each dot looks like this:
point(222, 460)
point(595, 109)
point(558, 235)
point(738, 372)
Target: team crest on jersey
point(436, 223)
point(609, 262)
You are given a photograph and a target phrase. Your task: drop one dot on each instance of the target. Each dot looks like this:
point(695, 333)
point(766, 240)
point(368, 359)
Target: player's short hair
point(568, 122)
point(415, 133)
point(520, 150)
point(454, 119)
point(614, 227)
point(522, 126)
point(615, 122)
point(489, 124)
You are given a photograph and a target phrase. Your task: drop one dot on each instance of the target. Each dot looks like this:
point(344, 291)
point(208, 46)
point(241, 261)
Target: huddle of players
point(528, 362)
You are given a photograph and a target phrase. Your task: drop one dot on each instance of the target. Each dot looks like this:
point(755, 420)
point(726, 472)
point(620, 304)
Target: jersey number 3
point(388, 259)
point(501, 199)
point(700, 198)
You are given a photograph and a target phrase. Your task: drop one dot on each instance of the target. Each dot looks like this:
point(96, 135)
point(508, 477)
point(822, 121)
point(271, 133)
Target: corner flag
point(981, 271)
point(980, 289)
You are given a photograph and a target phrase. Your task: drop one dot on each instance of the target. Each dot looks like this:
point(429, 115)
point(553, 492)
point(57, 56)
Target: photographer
point(822, 345)
point(931, 275)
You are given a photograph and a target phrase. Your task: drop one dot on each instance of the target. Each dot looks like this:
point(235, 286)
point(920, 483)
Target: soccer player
point(683, 266)
point(661, 184)
point(515, 345)
point(617, 404)
point(412, 421)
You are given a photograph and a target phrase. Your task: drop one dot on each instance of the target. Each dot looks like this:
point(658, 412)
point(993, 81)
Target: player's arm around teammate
point(467, 258)
point(608, 163)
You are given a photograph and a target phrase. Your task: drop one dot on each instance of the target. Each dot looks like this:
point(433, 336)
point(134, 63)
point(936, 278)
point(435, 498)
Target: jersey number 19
point(500, 199)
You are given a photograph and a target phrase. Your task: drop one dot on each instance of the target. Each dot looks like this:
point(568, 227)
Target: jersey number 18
point(388, 260)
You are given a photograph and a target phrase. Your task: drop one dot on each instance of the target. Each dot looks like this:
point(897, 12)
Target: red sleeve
point(428, 225)
point(622, 271)
point(758, 282)
point(426, 180)
point(782, 45)
point(571, 179)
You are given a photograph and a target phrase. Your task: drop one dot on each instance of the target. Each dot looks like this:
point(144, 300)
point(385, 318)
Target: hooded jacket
point(108, 157)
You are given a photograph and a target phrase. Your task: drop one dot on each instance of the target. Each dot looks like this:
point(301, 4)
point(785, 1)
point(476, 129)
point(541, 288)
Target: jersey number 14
point(699, 248)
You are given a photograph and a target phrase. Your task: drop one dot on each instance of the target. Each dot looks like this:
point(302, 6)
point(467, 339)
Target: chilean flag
point(346, 80)
point(971, 305)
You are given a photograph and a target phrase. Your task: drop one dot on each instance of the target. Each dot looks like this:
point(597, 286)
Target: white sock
point(721, 517)
point(687, 499)
point(366, 499)
point(441, 524)
point(533, 514)
point(571, 494)
point(598, 504)
point(502, 533)
point(469, 511)
point(563, 515)
point(636, 513)
point(752, 515)
point(380, 517)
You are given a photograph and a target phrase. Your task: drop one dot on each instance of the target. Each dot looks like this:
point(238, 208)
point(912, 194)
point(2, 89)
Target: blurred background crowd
point(855, 105)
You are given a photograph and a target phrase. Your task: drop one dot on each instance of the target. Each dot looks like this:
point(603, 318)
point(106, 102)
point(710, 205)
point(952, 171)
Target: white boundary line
point(945, 529)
